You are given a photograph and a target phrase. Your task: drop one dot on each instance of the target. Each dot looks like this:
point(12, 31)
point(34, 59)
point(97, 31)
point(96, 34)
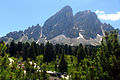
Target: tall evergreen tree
point(42, 47)
point(57, 47)
point(8, 46)
point(49, 54)
point(19, 47)
point(32, 53)
point(66, 49)
point(70, 50)
point(26, 50)
point(75, 50)
point(80, 53)
point(63, 64)
point(12, 49)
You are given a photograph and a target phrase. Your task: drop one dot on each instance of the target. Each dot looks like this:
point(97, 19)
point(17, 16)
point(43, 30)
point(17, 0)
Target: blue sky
point(18, 15)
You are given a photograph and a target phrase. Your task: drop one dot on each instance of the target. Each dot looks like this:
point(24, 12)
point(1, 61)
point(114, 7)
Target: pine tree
point(66, 49)
point(32, 51)
point(42, 47)
point(12, 49)
point(19, 48)
point(80, 53)
point(49, 54)
point(63, 64)
point(26, 51)
point(57, 47)
point(70, 50)
point(75, 50)
point(109, 54)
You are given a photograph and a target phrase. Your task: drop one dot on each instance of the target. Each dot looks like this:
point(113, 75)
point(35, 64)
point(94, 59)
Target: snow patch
point(21, 39)
point(99, 37)
point(75, 28)
point(103, 31)
point(80, 36)
point(41, 33)
point(31, 32)
point(38, 40)
point(81, 30)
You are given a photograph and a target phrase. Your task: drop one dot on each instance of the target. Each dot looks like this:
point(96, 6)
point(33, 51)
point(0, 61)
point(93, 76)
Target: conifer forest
point(32, 61)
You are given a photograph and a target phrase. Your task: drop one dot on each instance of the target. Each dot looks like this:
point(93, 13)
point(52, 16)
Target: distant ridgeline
point(64, 28)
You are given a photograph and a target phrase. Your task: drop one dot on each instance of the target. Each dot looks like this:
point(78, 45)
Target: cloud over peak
point(112, 16)
point(99, 12)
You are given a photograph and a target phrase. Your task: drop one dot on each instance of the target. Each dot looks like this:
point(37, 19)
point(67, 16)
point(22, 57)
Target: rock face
point(60, 23)
point(64, 28)
point(33, 32)
point(87, 23)
point(30, 34)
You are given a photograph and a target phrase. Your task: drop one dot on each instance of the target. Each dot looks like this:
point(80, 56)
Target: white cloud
point(99, 12)
point(112, 17)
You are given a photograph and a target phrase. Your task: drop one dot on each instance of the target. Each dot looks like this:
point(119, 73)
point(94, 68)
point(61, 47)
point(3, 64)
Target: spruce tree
point(66, 49)
point(49, 54)
point(63, 64)
point(42, 47)
point(80, 53)
point(70, 50)
point(19, 48)
point(57, 47)
point(12, 49)
point(32, 53)
point(26, 50)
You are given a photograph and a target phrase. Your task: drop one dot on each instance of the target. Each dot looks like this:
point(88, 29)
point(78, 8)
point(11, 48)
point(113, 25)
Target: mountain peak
point(58, 23)
point(88, 11)
point(83, 27)
point(66, 9)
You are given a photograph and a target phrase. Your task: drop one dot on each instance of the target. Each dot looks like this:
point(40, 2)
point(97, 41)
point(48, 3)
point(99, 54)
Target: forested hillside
point(83, 62)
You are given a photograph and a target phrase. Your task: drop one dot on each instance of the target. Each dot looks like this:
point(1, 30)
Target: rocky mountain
point(60, 23)
point(87, 24)
point(31, 34)
point(64, 28)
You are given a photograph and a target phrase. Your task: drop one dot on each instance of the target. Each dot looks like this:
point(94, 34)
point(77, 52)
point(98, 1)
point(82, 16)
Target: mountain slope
point(64, 28)
point(30, 34)
point(60, 23)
